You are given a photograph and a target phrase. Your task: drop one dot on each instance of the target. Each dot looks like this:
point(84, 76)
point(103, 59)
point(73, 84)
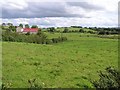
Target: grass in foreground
point(68, 64)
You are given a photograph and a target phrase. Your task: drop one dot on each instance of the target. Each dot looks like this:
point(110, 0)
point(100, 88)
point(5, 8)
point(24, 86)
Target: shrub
point(108, 79)
point(54, 40)
point(33, 38)
point(39, 38)
point(33, 84)
point(5, 86)
point(64, 38)
point(91, 32)
point(81, 31)
point(28, 33)
point(59, 39)
point(48, 41)
point(65, 30)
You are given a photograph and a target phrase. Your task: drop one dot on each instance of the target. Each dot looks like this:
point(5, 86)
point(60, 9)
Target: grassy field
point(74, 29)
point(67, 64)
point(71, 29)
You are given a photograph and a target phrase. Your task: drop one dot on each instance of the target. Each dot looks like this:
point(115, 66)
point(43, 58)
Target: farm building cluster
point(21, 29)
point(26, 30)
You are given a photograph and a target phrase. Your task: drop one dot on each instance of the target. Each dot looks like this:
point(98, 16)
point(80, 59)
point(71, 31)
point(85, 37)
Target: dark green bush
point(108, 79)
point(28, 33)
point(65, 30)
point(39, 38)
point(48, 41)
point(29, 38)
point(59, 39)
point(34, 85)
point(54, 40)
point(5, 86)
point(64, 38)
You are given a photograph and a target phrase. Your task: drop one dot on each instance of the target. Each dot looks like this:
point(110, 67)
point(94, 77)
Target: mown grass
point(68, 64)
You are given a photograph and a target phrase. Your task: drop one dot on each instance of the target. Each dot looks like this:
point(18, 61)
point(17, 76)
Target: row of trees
point(106, 31)
point(103, 32)
point(27, 26)
point(76, 26)
point(39, 38)
point(66, 30)
point(13, 28)
point(99, 31)
point(21, 25)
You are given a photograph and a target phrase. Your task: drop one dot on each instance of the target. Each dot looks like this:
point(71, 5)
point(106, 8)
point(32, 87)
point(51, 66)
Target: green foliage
point(91, 32)
point(28, 33)
point(65, 30)
point(51, 29)
point(21, 25)
point(10, 24)
point(34, 26)
point(106, 31)
point(39, 38)
point(5, 86)
point(81, 31)
point(48, 41)
point(12, 28)
point(59, 39)
point(3, 24)
point(40, 33)
point(33, 84)
point(26, 26)
point(76, 26)
point(108, 79)
point(15, 37)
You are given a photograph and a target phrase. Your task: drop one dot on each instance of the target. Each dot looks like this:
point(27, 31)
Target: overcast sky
point(46, 13)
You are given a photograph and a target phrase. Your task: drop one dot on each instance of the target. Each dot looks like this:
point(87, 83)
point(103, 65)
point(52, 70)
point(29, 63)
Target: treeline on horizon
point(92, 30)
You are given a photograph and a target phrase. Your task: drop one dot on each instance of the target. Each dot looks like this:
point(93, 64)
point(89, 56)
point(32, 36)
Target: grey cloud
point(85, 5)
point(38, 10)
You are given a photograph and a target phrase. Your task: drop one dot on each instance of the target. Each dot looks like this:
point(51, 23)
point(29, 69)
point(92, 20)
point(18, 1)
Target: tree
point(9, 24)
point(81, 30)
point(51, 29)
point(65, 30)
point(108, 79)
point(12, 28)
point(39, 32)
point(3, 24)
point(28, 33)
point(26, 26)
point(34, 26)
point(21, 25)
point(101, 32)
point(76, 26)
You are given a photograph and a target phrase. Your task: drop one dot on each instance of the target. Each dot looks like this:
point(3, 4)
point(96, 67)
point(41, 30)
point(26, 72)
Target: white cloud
point(103, 17)
point(14, 4)
point(57, 21)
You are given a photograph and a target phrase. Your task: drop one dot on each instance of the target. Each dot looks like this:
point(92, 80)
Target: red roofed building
point(26, 30)
point(31, 30)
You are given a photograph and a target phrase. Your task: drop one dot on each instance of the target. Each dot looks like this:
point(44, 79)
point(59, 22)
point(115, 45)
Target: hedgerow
point(39, 38)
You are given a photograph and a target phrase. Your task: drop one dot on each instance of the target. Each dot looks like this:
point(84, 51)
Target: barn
point(31, 30)
point(26, 30)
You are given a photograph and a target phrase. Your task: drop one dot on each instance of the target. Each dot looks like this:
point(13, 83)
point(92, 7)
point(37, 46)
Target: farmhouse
point(26, 30)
